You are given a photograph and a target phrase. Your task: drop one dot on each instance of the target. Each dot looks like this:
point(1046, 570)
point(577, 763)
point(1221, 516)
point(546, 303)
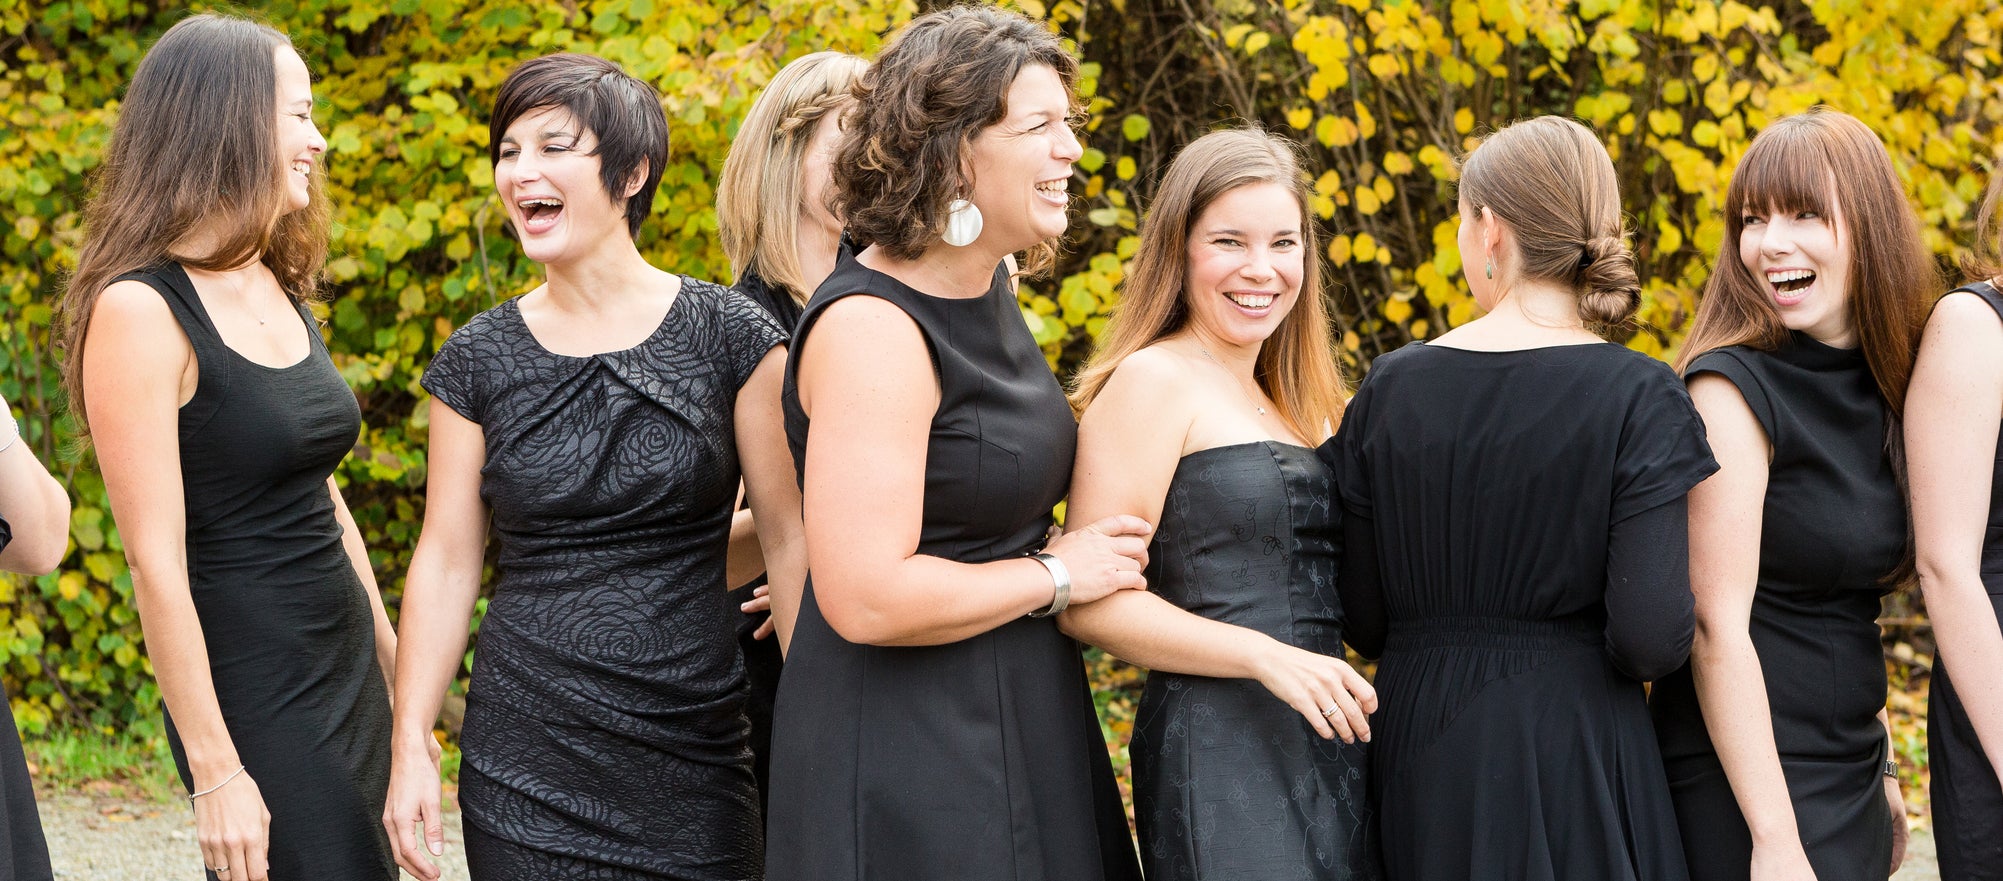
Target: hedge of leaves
point(1384, 93)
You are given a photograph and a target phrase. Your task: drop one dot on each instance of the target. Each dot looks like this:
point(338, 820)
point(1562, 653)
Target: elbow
point(1649, 663)
point(1938, 576)
point(850, 614)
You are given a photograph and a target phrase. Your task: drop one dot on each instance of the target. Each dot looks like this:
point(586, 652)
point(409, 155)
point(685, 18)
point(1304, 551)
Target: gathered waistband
point(1571, 632)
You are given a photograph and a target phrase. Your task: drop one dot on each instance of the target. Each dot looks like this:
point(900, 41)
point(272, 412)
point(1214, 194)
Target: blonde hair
point(1296, 366)
point(758, 199)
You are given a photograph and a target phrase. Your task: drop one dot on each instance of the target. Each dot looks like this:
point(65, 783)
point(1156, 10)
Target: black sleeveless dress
point(605, 735)
point(1511, 742)
point(1967, 799)
point(290, 634)
point(1834, 526)
point(1229, 781)
point(24, 854)
point(980, 760)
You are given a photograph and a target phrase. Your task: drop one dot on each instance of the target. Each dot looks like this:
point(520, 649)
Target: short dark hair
point(622, 112)
point(935, 86)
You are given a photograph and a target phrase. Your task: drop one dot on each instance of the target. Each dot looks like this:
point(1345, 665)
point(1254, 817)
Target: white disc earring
point(963, 223)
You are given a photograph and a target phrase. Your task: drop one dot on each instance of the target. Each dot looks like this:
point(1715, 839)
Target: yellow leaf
point(1328, 183)
point(1365, 247)
point(1367, 203)
point(1383, 187)
point(1464, 120)
point(1300, 118)
point(1339, 250)
point(1397, 311)
point(1125, 168)
point(1398, 162)
point(1256, 42)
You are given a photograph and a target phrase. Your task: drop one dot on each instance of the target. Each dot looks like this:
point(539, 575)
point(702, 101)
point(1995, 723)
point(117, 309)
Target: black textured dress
point(605, 730)
point(290, 634)
point(1834, 526)
point(979, 760)
point(1494, 490)
point(1229, 781)
point(24, 854)
point(1966, 796)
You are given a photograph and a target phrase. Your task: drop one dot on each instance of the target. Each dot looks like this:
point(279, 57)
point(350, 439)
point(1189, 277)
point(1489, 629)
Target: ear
point(636, 180)
point(1491, 230)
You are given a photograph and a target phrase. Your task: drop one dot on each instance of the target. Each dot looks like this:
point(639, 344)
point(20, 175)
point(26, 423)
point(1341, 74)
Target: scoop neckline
point(310, 330)
point(515, 309)
point(1581, 345)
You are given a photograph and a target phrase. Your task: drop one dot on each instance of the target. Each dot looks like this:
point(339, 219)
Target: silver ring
point(1330, 711)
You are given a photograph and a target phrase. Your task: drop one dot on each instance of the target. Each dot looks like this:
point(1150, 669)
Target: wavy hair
point(759, 198)
point(935, 86)
point(195, 149)
point(1296, 366)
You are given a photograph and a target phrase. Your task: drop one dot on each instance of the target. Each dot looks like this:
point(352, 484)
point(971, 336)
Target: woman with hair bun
point(1514, 542)
point(933, 721)
point(1775, 736)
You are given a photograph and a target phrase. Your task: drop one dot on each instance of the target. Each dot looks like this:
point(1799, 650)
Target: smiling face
point(1801, 259)
point(1022, 164)
point(1245, 264)
point(299, 141)
point(550, 183)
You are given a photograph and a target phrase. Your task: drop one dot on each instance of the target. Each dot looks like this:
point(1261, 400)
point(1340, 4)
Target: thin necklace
point(1249, 397)
point(237, 289)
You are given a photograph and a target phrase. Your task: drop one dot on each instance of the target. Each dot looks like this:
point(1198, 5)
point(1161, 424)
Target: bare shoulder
point(1148, 389)
point(1964, 314)
point(137, 318)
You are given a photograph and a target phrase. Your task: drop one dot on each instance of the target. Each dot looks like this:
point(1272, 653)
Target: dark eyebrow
point(1241, 233)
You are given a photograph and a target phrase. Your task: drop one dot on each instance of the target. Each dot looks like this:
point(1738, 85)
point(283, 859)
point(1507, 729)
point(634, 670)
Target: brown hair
point(1296, 367)
point(195, 148)
point(758, 198)
point(1550, 180)
point(1794, 165)
point(622, 112)
point(935, 86)
point(1985, 262)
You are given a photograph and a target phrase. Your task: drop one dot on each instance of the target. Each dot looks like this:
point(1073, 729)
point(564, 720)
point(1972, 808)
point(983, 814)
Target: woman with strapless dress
point(1217, 376)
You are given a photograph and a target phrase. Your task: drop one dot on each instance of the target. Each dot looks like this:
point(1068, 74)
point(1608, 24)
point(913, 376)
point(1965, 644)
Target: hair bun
point(1609, 291)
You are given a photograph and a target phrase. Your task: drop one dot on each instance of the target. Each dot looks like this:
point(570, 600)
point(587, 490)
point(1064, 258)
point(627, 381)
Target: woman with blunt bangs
point(598, 422)
point(1514, 542)
point(1774, 735)
point(933, 721)
point(1217, 374)
point(218, 420)
point(1953, 408)
point(772, 215)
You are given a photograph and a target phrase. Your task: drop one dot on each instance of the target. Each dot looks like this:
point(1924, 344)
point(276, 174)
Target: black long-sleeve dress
point(1967, 799)
point(978, 760)
point(1834, 524)
point(605, 734)
point(1498, 504)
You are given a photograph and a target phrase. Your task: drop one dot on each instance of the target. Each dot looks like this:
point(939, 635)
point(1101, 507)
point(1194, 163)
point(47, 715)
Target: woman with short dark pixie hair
point(600, 419)
point(933, 722)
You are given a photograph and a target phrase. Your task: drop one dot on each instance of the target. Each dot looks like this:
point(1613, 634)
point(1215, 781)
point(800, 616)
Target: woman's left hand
point(759, 604)
point(1897, 799)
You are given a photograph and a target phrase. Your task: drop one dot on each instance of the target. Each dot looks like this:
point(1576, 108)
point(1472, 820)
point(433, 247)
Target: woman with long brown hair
point(1953, 407)
point(1774, 735)
point(1513, 542)
point(1200, 413)
point(218, 420)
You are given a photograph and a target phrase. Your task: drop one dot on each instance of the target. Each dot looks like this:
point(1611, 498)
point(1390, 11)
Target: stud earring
point(963, 223)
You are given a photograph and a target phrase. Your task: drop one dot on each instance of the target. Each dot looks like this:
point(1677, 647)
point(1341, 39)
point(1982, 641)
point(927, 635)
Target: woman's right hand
point(413, 799)
point(1781, 863)
point(234, 829)
point(1325, 690)
point(1104, 557)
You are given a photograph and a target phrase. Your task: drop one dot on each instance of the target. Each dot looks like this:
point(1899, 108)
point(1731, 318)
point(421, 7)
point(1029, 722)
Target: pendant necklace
point(1253, 399)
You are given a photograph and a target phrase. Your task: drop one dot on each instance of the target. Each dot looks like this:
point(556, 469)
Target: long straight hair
point(195, 149)
point(759, 198)
point(1296, 366)
point(1985, 262)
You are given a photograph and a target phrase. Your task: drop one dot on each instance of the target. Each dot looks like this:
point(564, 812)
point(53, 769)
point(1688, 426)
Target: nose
point(1778, 238)
point(318, 144)
point(1258, 264)
point(1067, 148)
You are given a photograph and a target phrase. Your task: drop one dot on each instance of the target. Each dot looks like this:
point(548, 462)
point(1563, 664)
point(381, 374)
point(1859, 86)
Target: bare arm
point(1953, 408)
point(1726, 513)
point(36, 508)
point(138, 369)
point(866, 378)
point(1129, 443)
point(437, 608)
point(745, 559)
point(358, 556)
point(772, 489)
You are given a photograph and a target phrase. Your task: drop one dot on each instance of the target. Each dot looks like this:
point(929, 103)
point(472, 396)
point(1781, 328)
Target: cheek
point(1291, 268)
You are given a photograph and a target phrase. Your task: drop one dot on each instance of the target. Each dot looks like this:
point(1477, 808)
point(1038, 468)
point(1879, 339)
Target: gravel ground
point(113, 839)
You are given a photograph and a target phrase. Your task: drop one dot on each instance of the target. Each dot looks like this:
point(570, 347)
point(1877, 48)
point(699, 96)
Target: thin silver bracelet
point(226, 782)
point(10, 432)
point(1060, 578)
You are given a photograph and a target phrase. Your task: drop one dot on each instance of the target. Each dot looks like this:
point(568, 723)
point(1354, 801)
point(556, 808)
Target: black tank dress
point(1512, 739)
point(605, 735)
point(290, 634)
point(979, 760)
point(24, 854)
point(1834, 524)
point(1967, 799)
point(1229, 781)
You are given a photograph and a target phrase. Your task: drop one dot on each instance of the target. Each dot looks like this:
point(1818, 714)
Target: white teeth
point(1787, 275)
point(540, 203)
point(1052, 187)
point(1252, 301)
point(302, 166)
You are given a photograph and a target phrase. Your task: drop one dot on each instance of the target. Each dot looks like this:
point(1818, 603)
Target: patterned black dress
point(605, 734)
point(1229, 781)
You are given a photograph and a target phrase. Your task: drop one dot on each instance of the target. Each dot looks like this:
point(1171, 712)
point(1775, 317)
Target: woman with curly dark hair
point(933, 722)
